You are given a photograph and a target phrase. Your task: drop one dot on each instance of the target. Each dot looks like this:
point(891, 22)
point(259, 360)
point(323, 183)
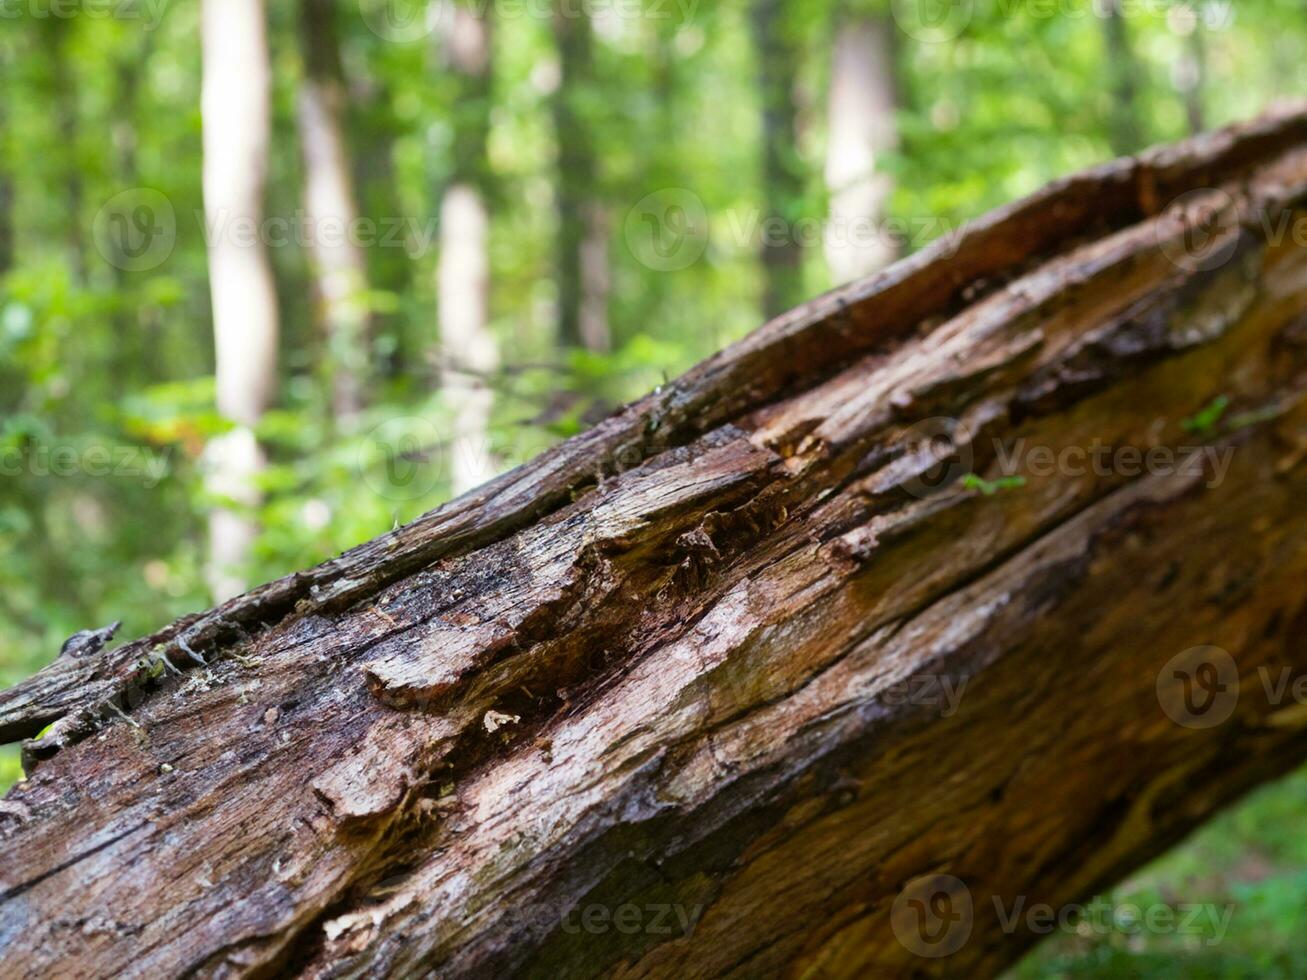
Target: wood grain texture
point(701, 691)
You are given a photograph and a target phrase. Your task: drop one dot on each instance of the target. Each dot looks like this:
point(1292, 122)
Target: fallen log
point(948, 588)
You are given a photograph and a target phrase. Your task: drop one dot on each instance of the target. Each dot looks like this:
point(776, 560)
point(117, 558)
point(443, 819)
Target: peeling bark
point(763, 651)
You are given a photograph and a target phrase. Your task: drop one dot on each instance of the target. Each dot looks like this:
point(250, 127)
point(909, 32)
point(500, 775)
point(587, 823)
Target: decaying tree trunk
point(778, 670)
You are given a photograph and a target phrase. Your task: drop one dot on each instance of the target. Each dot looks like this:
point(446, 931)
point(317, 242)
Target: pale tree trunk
point(1125, 131)
point(339, 269)
point(862, 130)
point(469, 356)
point(747, 678)
point(582, 238)
point(782, 174)
point(235, 105)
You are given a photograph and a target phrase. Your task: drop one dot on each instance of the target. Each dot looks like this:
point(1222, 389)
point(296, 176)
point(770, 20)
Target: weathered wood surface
point(746, 653)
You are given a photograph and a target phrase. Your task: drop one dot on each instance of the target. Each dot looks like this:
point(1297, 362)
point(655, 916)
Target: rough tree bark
point(750, 661)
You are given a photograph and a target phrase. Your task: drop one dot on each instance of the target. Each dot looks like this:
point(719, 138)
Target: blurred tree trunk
point(780, 670)
point(56, 32)
point(401, 346)
point(661, 156)
point(339, 267)
point(137, 358)
point(862, 130)
point(7, 147)
point(468, 354)
point(1191, 72)
point(777, 53)
point(1125, 130)
point(582, 249)
point(235, 105)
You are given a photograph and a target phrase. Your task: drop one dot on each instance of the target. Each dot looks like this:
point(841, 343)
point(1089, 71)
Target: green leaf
point(990, 487)
point(1205, 421)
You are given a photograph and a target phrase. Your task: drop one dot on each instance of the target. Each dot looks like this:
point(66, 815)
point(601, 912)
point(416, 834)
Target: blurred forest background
point(275, 278)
